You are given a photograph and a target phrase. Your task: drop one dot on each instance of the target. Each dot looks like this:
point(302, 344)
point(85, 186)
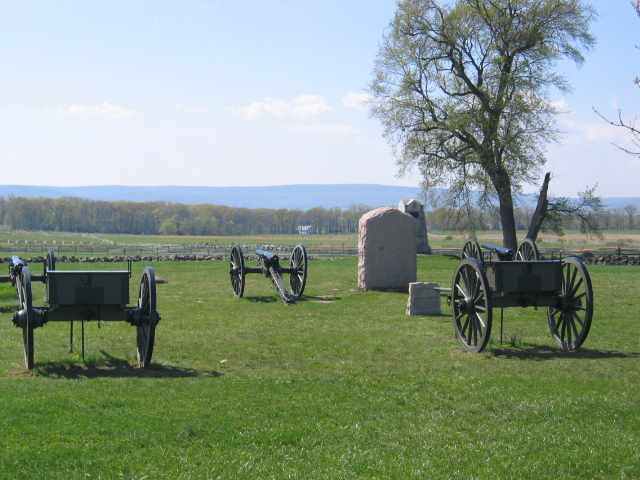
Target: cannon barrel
point(17, 261)
point(503, 253)
point(15, 268)
point(270, 265)
point(269, 255)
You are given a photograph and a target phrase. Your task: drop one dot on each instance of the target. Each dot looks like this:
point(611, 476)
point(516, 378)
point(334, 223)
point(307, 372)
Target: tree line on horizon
point(73, 214)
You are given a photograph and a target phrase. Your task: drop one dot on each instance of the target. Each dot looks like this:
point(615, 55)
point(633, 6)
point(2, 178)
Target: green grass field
point(341, 385)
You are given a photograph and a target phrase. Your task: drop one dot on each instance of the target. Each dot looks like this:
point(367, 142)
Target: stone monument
point(424, 299)
point(387, 250)
point(416, 210)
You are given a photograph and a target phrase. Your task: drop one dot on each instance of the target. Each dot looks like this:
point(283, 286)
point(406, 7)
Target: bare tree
point(552, 212)
point(462, 92)
point(629, 125)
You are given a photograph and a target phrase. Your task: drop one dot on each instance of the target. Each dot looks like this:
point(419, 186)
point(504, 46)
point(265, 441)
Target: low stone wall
point(147, 258)
point(587, 258)
point(590, 259)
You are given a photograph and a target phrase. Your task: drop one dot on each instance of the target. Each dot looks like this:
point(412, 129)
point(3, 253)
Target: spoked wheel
point(471, 302)
point(570, 319)
point(148, 317)
point(298, 270)
point(237, 271)
point(50, 262)
point(26, 316)
point(471, 249)
point(527, 250)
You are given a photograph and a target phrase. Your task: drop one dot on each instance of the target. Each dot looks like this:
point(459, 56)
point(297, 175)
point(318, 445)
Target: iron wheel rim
point(570, 320)
point(50, 261)
point(26, 304)
point(146, 330)
point(298, 270)
point(471, 305)
point(527, 250)
point(237, 271)
point(471, 249)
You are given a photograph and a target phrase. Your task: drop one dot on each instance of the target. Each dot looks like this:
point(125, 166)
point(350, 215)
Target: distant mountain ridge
point(301, 197)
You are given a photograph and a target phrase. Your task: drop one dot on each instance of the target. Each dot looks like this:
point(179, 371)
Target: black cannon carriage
point(269, 266)
point(84, 296)
point(497, 277)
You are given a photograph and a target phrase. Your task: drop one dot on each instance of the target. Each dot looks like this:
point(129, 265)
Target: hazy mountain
point(300, 197)
point(619, 202)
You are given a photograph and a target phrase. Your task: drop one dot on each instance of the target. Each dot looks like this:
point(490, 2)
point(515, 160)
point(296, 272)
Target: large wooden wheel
point(50, 261)
point(471, 303)
point(298, 270)
point(237, 271)
point(25, 316)
point(527, 250)
point(148, 317)
point(471, 249)
point(570, 319)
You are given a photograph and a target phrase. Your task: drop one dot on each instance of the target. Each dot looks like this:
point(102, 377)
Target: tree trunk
point(541, 210)
point(507, 217)
point(508, 220)
point(502, 183)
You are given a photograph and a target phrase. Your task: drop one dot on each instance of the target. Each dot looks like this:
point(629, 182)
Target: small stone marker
point(424, 299)
point(387, 250)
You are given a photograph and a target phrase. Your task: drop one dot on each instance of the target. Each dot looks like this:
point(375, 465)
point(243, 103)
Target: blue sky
point(252, 92)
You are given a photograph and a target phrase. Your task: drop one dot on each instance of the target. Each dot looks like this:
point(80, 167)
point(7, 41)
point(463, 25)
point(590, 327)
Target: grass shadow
point(114, 367)
point(262, 299)
point(543, 352)
point(320, 299)
point(303, 299)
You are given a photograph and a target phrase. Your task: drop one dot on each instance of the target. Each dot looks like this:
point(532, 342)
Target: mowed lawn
point(342, 385)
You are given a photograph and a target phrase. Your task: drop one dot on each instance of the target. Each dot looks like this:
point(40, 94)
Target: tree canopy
point(462, 91)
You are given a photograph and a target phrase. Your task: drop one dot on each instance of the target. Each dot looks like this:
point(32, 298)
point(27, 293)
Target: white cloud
point(561, 106)
point(304, 108)
point(578, 127)
point(596, 132)
point(356, 100)
point(105, 110)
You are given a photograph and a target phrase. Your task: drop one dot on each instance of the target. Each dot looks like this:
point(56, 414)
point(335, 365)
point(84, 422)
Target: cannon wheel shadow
point(543, 352)
point(115, 367)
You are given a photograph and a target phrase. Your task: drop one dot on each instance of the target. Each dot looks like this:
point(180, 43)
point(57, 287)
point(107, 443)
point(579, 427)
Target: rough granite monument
point(424, 299)
point(416, 210)
point(387, 250)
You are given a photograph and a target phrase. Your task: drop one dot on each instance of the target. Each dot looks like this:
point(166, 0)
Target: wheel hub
point(562, 302)
point(467, 305)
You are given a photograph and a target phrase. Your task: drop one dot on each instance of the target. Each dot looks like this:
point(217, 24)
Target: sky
point(254, 93)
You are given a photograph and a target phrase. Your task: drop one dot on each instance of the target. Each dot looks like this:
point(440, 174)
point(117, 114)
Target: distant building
point(416, 210)
point(304, 229)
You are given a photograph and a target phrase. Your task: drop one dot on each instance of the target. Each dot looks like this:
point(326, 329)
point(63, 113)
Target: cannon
point(497, 277)
point(83, 296)
point(269, 266)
